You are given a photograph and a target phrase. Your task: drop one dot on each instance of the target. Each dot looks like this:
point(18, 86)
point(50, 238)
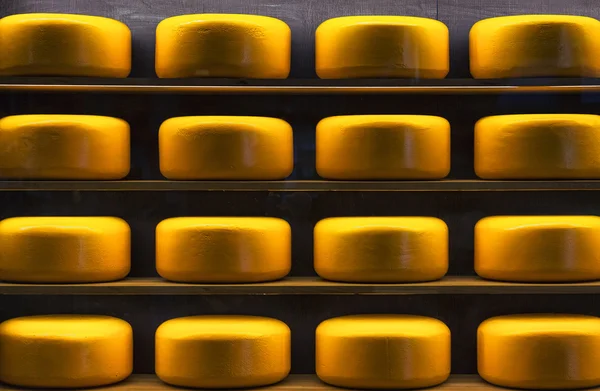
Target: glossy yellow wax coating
point(64, 249)
point(383, 351)
point(223, 249)
point(64, 147)
point(538, 248)
point(535, 45)
point(223, 45)
point(540, 351)
point(223, 351)
point(363, 147)
point(538, 146)
point(382, 46)
point(381, 249)
point(64, 45)
point(65, 351)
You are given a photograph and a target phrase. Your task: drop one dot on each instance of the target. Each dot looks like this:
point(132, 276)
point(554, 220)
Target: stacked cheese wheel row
point(359, 147)
point(252, 46)
point(255, 249)
point(366, 351)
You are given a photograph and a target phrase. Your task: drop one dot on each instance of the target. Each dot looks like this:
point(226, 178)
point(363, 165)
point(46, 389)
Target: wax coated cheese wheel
point(223, 351)
point(64, 45)
point(534, 46)
point(382, 46)
point(63, 147)
point(363, 147)
point(223, 249)
point(223, 45)
point(65, 351)
point(538, 146)
point(381, 249)
point(64, 249)
point(244, 148)
point(383, 351)
point(540, 351)
point(538, 248)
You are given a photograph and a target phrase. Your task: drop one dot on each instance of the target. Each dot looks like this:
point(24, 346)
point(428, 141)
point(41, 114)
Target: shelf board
point(298, 186)
point(298, 286)
point(298, 86)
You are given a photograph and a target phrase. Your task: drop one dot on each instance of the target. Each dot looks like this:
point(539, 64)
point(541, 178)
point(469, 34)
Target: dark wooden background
point(143, 210)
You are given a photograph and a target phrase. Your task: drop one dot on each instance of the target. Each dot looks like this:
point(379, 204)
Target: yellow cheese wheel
point(63, 147)
point(383, 351)
point(64, 45)
point(223, 249)
point(540, 351)
point(538, 248)
point(223, 351)
point(535, 46)
point(363, 147)
point(223, 45)
point(65, 351)
point(538, 146)
point(64, 249)
point(381, 249)
point(382, 46)
point(210, 147)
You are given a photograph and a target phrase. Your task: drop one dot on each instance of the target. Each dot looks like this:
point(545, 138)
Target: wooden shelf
point(298, 286)
point(298, 86)
point(299, 186)
point(292, 383)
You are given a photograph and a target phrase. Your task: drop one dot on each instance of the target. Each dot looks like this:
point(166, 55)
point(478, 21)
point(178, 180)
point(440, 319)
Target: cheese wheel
point(223, 351)
point(223, 45)
point(244, 148)
point(64, 45)
point(363, 147)
point(65, 351)
point(540, 351)
point(538, 248)
point(381, 249)
point(535, 46)
point(223, 249)
point(63, 147)
point(64, 249)
point(538, 146)
point(382, 46)
point(383, 351)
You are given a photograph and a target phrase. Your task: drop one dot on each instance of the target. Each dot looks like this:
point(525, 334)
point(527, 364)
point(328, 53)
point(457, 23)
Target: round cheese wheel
point(223, 249)
point(362, 147)
point(382, 46)
point(535, 46)
point(540, 351)
point(538, 146)
point(383, 351)
point(65, 351)
point(63, 147)
point(243, 148)
point(64, 45)
point(223, 45)
point(64, 249)
point(223, 351)
point(538, 248)
point(381, 249)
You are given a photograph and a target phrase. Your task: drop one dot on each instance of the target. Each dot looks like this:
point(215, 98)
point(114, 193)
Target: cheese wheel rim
point(223, 45)
point(50, 44)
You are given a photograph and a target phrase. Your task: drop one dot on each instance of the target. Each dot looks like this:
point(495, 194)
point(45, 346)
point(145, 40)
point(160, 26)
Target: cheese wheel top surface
point(60, 327)
point(406, 326)
point(46, 44)
point(226, 147)
point(541, 323)
point(223, 45)
point(227, 326)
point(538, 146)
point(535, 46)
point(363, 147)
point(382, 46)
